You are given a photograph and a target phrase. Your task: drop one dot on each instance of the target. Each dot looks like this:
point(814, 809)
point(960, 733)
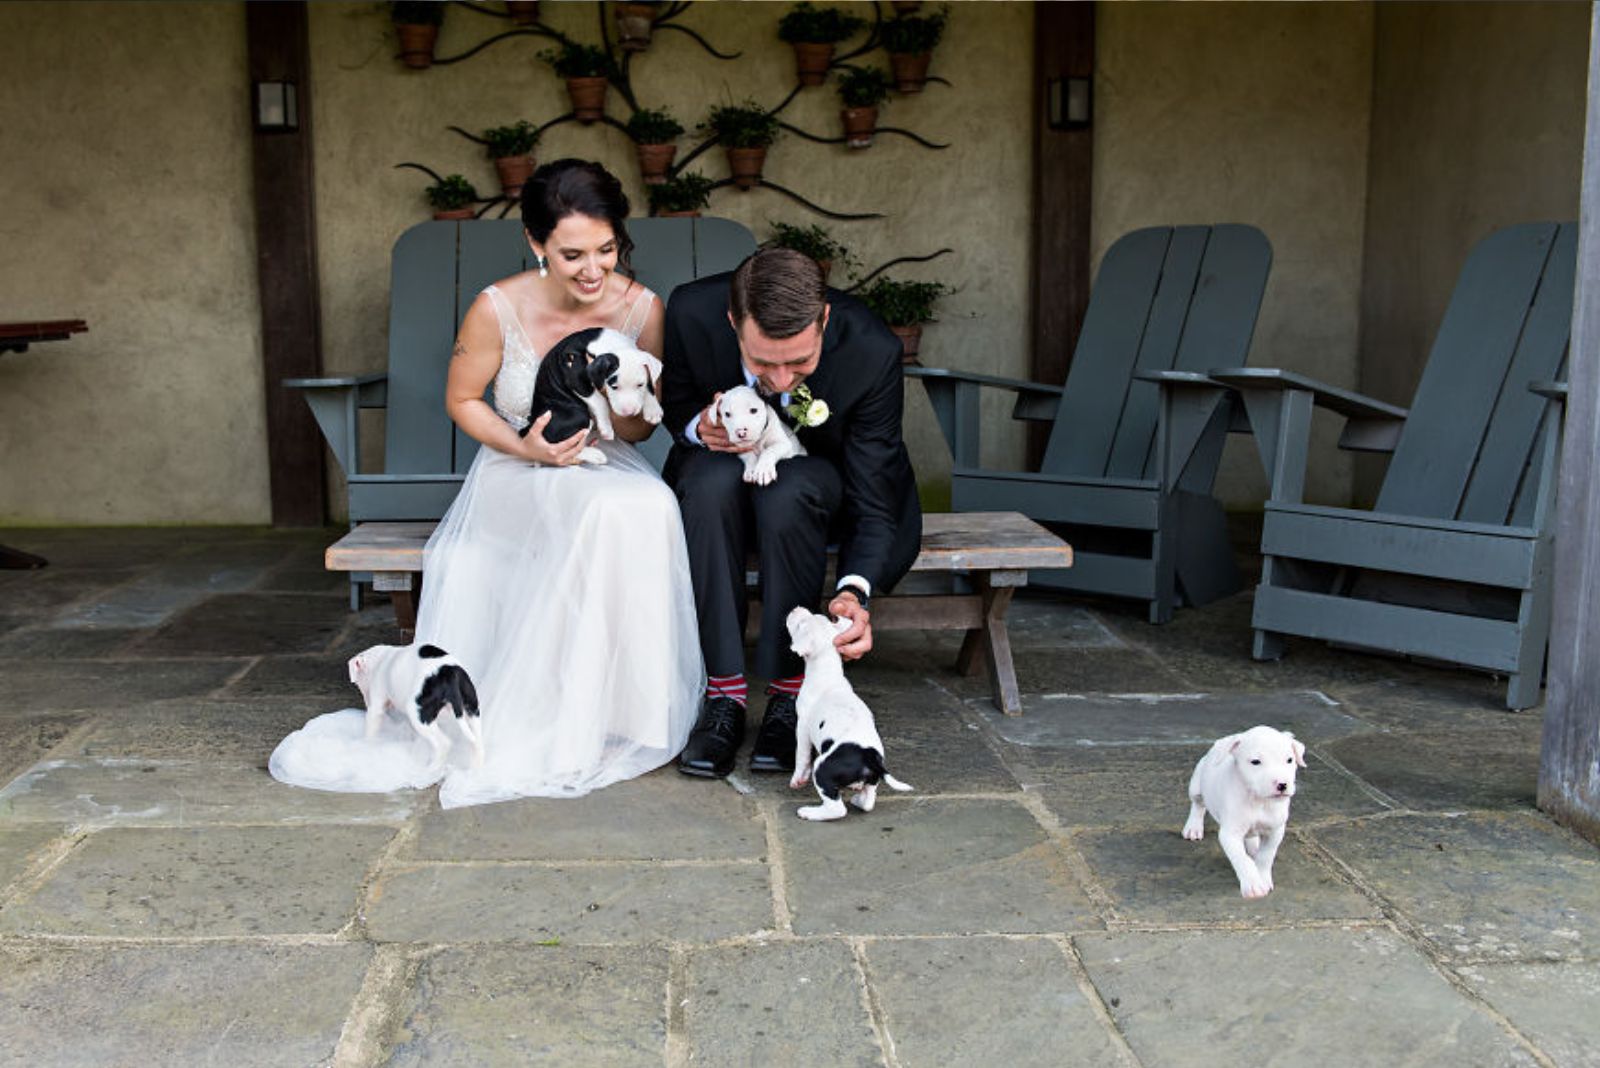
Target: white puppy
point(834, 722)
point(418, 682)
point(1246, 781)
point(630, 389)
point(748, 418)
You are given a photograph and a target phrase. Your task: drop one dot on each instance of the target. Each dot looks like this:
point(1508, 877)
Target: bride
point(563, 589)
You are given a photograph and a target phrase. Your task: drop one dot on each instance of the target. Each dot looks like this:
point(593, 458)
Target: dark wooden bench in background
point(995, 550)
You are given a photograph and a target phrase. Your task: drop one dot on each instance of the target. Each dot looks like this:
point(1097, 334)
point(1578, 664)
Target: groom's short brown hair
point(781, 289)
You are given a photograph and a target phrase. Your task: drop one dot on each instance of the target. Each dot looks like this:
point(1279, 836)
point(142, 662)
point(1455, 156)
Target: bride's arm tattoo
point(459, 350)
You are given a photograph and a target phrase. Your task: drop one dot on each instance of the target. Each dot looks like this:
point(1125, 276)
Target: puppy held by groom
point(773, 324)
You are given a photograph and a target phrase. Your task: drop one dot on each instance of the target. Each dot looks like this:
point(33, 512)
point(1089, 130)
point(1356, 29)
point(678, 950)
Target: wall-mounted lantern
point(276, 108)
point(1068, 103)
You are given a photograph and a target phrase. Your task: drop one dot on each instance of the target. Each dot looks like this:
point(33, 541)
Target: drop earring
point(544, 266)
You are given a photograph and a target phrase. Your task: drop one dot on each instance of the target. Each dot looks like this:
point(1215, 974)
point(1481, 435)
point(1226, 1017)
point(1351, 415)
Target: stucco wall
point(1478, 124)
point(975, 198)
point(125, 180)
point(1247, 113)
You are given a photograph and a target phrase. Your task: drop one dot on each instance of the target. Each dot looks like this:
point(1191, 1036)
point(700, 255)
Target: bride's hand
point(559, 454)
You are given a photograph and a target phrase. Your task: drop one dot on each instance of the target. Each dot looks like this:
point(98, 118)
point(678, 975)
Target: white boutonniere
point(804, 409)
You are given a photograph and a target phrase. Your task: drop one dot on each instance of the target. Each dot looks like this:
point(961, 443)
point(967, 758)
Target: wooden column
point(1569, 787)
point(286, 255)
point(1063, 48)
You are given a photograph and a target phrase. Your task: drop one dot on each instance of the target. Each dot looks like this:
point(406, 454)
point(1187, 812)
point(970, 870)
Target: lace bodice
point(519, 363)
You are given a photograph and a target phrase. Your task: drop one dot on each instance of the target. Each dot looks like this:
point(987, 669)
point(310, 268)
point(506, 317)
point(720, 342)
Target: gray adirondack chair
point(437, 270)
point(1454, 562)
point(1138, 428)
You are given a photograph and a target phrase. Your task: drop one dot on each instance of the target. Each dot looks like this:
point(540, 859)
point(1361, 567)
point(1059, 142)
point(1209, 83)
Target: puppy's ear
point(716, 412)
point(357, 666)
point(1299, 751)
point(601, 368)
point(652, 370)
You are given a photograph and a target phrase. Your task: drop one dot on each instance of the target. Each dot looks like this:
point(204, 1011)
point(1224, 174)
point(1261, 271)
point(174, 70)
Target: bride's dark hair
point(576, 187)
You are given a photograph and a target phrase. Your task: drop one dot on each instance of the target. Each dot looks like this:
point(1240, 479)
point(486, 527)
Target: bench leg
point(405, 591)
point(994, 641)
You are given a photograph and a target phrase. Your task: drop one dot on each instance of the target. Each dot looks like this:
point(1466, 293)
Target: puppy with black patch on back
point(588, 375)
point(419, 682)
point(1246, 781)
point(835, 723)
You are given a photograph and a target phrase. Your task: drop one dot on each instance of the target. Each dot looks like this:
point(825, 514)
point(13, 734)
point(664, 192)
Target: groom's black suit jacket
point(859, 376)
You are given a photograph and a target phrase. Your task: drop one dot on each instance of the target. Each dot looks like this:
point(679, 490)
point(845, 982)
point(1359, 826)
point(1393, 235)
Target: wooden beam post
point(1569, 765)
point(286, 258)
point(1063, 37)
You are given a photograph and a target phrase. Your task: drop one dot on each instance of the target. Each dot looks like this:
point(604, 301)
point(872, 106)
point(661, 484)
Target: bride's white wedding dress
point(565, 593)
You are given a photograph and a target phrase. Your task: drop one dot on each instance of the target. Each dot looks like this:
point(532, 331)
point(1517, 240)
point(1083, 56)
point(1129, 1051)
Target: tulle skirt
point(565, 593)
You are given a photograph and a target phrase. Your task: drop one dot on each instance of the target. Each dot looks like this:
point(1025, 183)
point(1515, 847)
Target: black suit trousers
point(786, 523)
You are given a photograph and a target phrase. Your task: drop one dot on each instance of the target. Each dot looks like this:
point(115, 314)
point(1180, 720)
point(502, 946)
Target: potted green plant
point(416, 23)
point(814, 32)
point(745, 131)
point(635, 21)
point(861, 90)
point(811, 241)
point(904, 307)
point(452, 197)
point(654, 132)
point(909, 40)
point(511, 148)
point(685, 194)
point(588, 71)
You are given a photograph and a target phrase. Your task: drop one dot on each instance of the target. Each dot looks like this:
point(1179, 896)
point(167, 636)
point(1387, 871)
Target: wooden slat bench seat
point(994, 549)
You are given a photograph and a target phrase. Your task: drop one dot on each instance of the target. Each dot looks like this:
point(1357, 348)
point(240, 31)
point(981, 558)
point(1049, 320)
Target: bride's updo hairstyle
point(576, 187)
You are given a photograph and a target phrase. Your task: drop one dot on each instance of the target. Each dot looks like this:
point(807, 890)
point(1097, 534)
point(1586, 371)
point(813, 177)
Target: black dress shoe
point(715, 740)
point(774, 749)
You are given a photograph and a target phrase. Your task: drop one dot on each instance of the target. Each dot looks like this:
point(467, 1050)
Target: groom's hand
point(714, 435)
point(856, 642)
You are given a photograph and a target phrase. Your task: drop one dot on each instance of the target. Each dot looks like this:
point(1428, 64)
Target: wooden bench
point(994, 550)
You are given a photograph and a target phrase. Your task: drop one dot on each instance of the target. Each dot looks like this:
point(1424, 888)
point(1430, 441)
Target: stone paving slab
point(1355, 996)
point(1439, 700)
point(1481, 887)
point(576, 904)
point(18, 845)
point(67, 643)
point(786, 1003)
point(662, 816)
point(1047, 671)
point(134, 791)
point(930, 867)
point(250, 624)
point(1150, 718)
point(228, 731)
point(175, 1005)
point(960, 1001)
point(24, 742)
point(34, 686)
point(1553, 1004)
point(1447, 769)
point(1160, 877)
point(163, 882)
point(320, 675)
point(495, 1006)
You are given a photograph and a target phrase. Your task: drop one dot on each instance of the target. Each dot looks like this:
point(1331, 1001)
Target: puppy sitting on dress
point(419, 682)
point(835, 723)
point(749, 418)
point(587, 376)
point(1246, 781)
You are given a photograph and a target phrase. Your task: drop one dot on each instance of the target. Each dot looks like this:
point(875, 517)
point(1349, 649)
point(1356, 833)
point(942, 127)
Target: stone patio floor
point(163, 901)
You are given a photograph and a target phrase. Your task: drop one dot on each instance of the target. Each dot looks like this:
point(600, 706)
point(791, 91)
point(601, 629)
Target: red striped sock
point(732, 686)
point(790, 685)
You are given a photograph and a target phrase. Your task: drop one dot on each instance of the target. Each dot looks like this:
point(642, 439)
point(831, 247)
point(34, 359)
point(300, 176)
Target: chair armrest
point(954, 396)
point(334, 402)
point(1177, 378)
point(1556, 391)
point(1016, 385)
point(1371, 425)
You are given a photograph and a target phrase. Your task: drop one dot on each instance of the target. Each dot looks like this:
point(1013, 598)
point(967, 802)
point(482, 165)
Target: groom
point(774, 325)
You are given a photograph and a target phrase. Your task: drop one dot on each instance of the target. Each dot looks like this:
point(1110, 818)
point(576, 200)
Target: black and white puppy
point(419, 682)
point(587, 376)
point(835, 723)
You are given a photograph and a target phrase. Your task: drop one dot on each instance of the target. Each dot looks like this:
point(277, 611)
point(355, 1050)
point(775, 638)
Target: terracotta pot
point(859, 126)
point(455, 213)
point(634, 23)
point(523, 12)
point(827, 269)
point(910, 340)
point(514, 174)
point(811, 62)
point(695, 214)
point(654, 162)
point(588, 98)
point(910, 71)
point(416, 45)
point(745, 166)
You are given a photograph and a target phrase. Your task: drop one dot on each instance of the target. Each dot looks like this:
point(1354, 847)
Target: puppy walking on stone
point(1246, 781)
point(747, 417)
point(835, 723)
point(419, 682)
point(587, 376)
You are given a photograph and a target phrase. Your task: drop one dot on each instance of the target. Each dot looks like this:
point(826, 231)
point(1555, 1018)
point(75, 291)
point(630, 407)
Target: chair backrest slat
point(1473, 423)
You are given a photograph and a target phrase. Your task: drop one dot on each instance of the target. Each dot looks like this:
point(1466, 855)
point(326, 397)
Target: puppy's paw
point(766, 474)
point(1252, 889)
point(750, 474)
point(799, 780)
point(1195, 829)
point(592, 456)
point(821, 813)
point(607, 434)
